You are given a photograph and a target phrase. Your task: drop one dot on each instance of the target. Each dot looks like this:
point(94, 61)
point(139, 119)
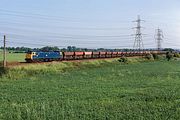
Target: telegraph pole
point(138, 43)
point(4, 52)
point(159, 38)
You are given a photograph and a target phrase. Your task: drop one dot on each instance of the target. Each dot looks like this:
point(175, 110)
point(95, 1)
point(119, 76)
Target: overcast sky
point(88, 23)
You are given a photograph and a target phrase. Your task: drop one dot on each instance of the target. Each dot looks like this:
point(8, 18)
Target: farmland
point(101, 89)
point(19, 57)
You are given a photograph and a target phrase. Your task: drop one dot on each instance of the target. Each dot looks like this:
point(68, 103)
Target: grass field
point(101, 90)
point(13, 57)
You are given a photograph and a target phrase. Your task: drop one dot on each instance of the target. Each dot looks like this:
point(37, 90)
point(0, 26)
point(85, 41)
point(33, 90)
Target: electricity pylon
point(159, 38)
point(138, 43)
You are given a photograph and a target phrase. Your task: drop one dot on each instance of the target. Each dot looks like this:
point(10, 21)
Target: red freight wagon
point(68, 55)
point(147, 52)
point(128, 54)
point(131, 53)
point(109, 54)
point(154, 52)
point(87, 54)
point(79, 55)
point(95, 54)
point(102, 54)
point(135, 53)
point(123, 53)
point(119, 54)
point(114, 54)
point(141, 53)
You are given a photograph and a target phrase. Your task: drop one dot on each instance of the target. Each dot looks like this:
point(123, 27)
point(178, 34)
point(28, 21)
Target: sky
point(88, 23)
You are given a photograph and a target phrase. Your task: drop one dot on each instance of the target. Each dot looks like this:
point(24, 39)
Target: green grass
point(12, 57)
point(99, 90)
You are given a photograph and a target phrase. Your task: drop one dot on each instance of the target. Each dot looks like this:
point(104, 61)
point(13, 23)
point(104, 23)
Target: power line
point(35, 14)
point(25, 43)
point(69, 27)
point(59, 35)
point(38, 17)
point(42, 17)
point(69, 35)
point(69, 39)
point(77, 44)
point(138, 44)
point(43, 45)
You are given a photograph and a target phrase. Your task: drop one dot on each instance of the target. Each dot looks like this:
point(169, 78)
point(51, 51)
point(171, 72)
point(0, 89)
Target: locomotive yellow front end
point(29, 56)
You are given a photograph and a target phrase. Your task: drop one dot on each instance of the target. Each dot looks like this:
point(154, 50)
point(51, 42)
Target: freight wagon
point(87, 55)
point(95, 54)
point(68, 55)
point(78, 55)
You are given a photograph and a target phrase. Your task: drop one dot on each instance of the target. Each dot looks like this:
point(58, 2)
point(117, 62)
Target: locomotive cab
point(29, 56)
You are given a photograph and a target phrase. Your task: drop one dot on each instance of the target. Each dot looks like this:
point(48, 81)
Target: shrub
point(161, 57)
point(149, 56)
point(169, 56)
point(123, 59)
point(155, 56)
point(177, 55)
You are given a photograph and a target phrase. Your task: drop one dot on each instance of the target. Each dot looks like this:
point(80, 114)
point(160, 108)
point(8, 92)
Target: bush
point(169, 56)
point(155, 56)
point(149, 56)
point(123, 59)
point(161, 57)
point(177, 55)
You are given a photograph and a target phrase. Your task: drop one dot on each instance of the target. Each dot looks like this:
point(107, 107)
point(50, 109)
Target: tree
point(169, 49)
point(69, 48)
point(47, 48)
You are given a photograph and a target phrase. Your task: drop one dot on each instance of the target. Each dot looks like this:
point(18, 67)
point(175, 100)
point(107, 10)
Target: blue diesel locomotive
point(43, 56)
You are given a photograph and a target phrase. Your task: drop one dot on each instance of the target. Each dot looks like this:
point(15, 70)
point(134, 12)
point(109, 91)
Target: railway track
point(16, 64)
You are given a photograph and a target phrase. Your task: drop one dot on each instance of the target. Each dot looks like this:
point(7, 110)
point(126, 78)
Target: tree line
point(68, 49)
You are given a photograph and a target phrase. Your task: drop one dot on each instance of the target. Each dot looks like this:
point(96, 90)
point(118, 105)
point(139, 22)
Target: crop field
point(11, 57)
point(101, 90)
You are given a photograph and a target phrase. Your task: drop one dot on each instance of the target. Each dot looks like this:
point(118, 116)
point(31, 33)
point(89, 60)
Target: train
point(49, 56)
